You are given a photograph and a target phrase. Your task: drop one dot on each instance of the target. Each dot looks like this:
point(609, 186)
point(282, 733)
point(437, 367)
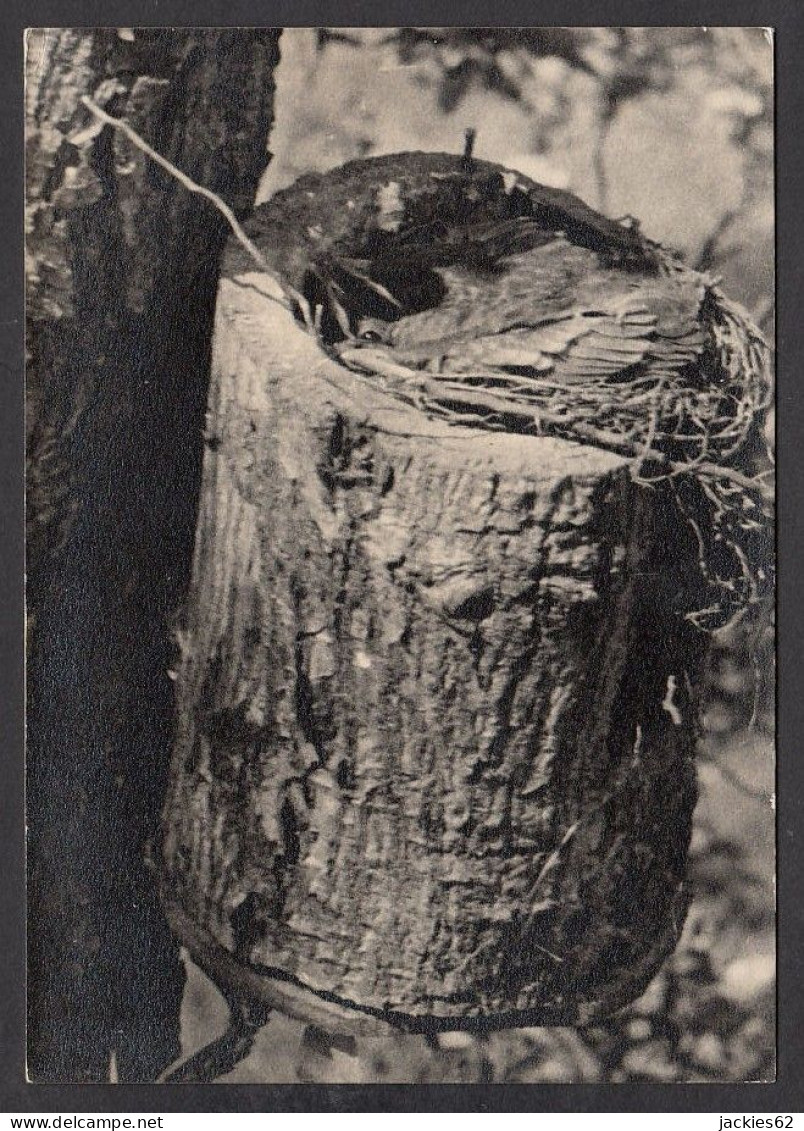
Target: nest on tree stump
point(385, 239)
point(437, 702)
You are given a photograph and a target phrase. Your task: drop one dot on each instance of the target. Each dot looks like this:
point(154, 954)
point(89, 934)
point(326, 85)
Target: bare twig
point(706, 256)
point(763, 314)
point(737, 782)
point(200, 190)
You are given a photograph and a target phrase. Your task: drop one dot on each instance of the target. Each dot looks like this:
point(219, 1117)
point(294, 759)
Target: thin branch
point(737, 782)
point(706, 256)
point(223, 1054)
point(200, 190)
point(762, 315)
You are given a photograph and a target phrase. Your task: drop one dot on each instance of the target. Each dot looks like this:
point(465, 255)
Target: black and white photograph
point(400, 555)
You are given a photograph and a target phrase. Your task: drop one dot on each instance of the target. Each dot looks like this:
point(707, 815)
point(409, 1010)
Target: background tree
point(122, 272)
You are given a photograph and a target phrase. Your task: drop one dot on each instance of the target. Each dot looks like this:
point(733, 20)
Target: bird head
point(373, 331)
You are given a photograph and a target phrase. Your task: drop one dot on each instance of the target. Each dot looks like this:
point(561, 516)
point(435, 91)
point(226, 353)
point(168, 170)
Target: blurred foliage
point(625, 61)
point(572, 84)
point(674, 125)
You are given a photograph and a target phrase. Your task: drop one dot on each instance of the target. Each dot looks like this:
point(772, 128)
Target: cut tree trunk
point(437, 717)
point(122, 273)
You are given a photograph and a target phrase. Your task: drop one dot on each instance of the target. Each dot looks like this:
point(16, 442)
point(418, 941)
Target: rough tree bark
point(434, 761)
point(122, 273)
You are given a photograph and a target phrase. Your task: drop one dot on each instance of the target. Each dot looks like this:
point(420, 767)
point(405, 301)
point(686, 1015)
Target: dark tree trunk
point(123, 269)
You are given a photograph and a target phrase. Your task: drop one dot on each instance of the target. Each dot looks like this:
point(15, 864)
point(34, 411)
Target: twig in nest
point(468, 149)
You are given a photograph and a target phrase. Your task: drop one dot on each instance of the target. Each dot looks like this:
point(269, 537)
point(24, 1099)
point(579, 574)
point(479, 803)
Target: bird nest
point(380, 244)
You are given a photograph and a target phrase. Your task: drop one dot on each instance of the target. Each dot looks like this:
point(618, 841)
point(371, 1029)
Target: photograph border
point(787, 1093)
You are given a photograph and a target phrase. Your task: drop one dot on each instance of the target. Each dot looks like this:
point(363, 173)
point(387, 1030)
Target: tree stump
point(437, 705)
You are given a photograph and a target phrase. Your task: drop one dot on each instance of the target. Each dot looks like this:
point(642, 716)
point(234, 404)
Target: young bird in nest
point(553, 313)
point(494, 303)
